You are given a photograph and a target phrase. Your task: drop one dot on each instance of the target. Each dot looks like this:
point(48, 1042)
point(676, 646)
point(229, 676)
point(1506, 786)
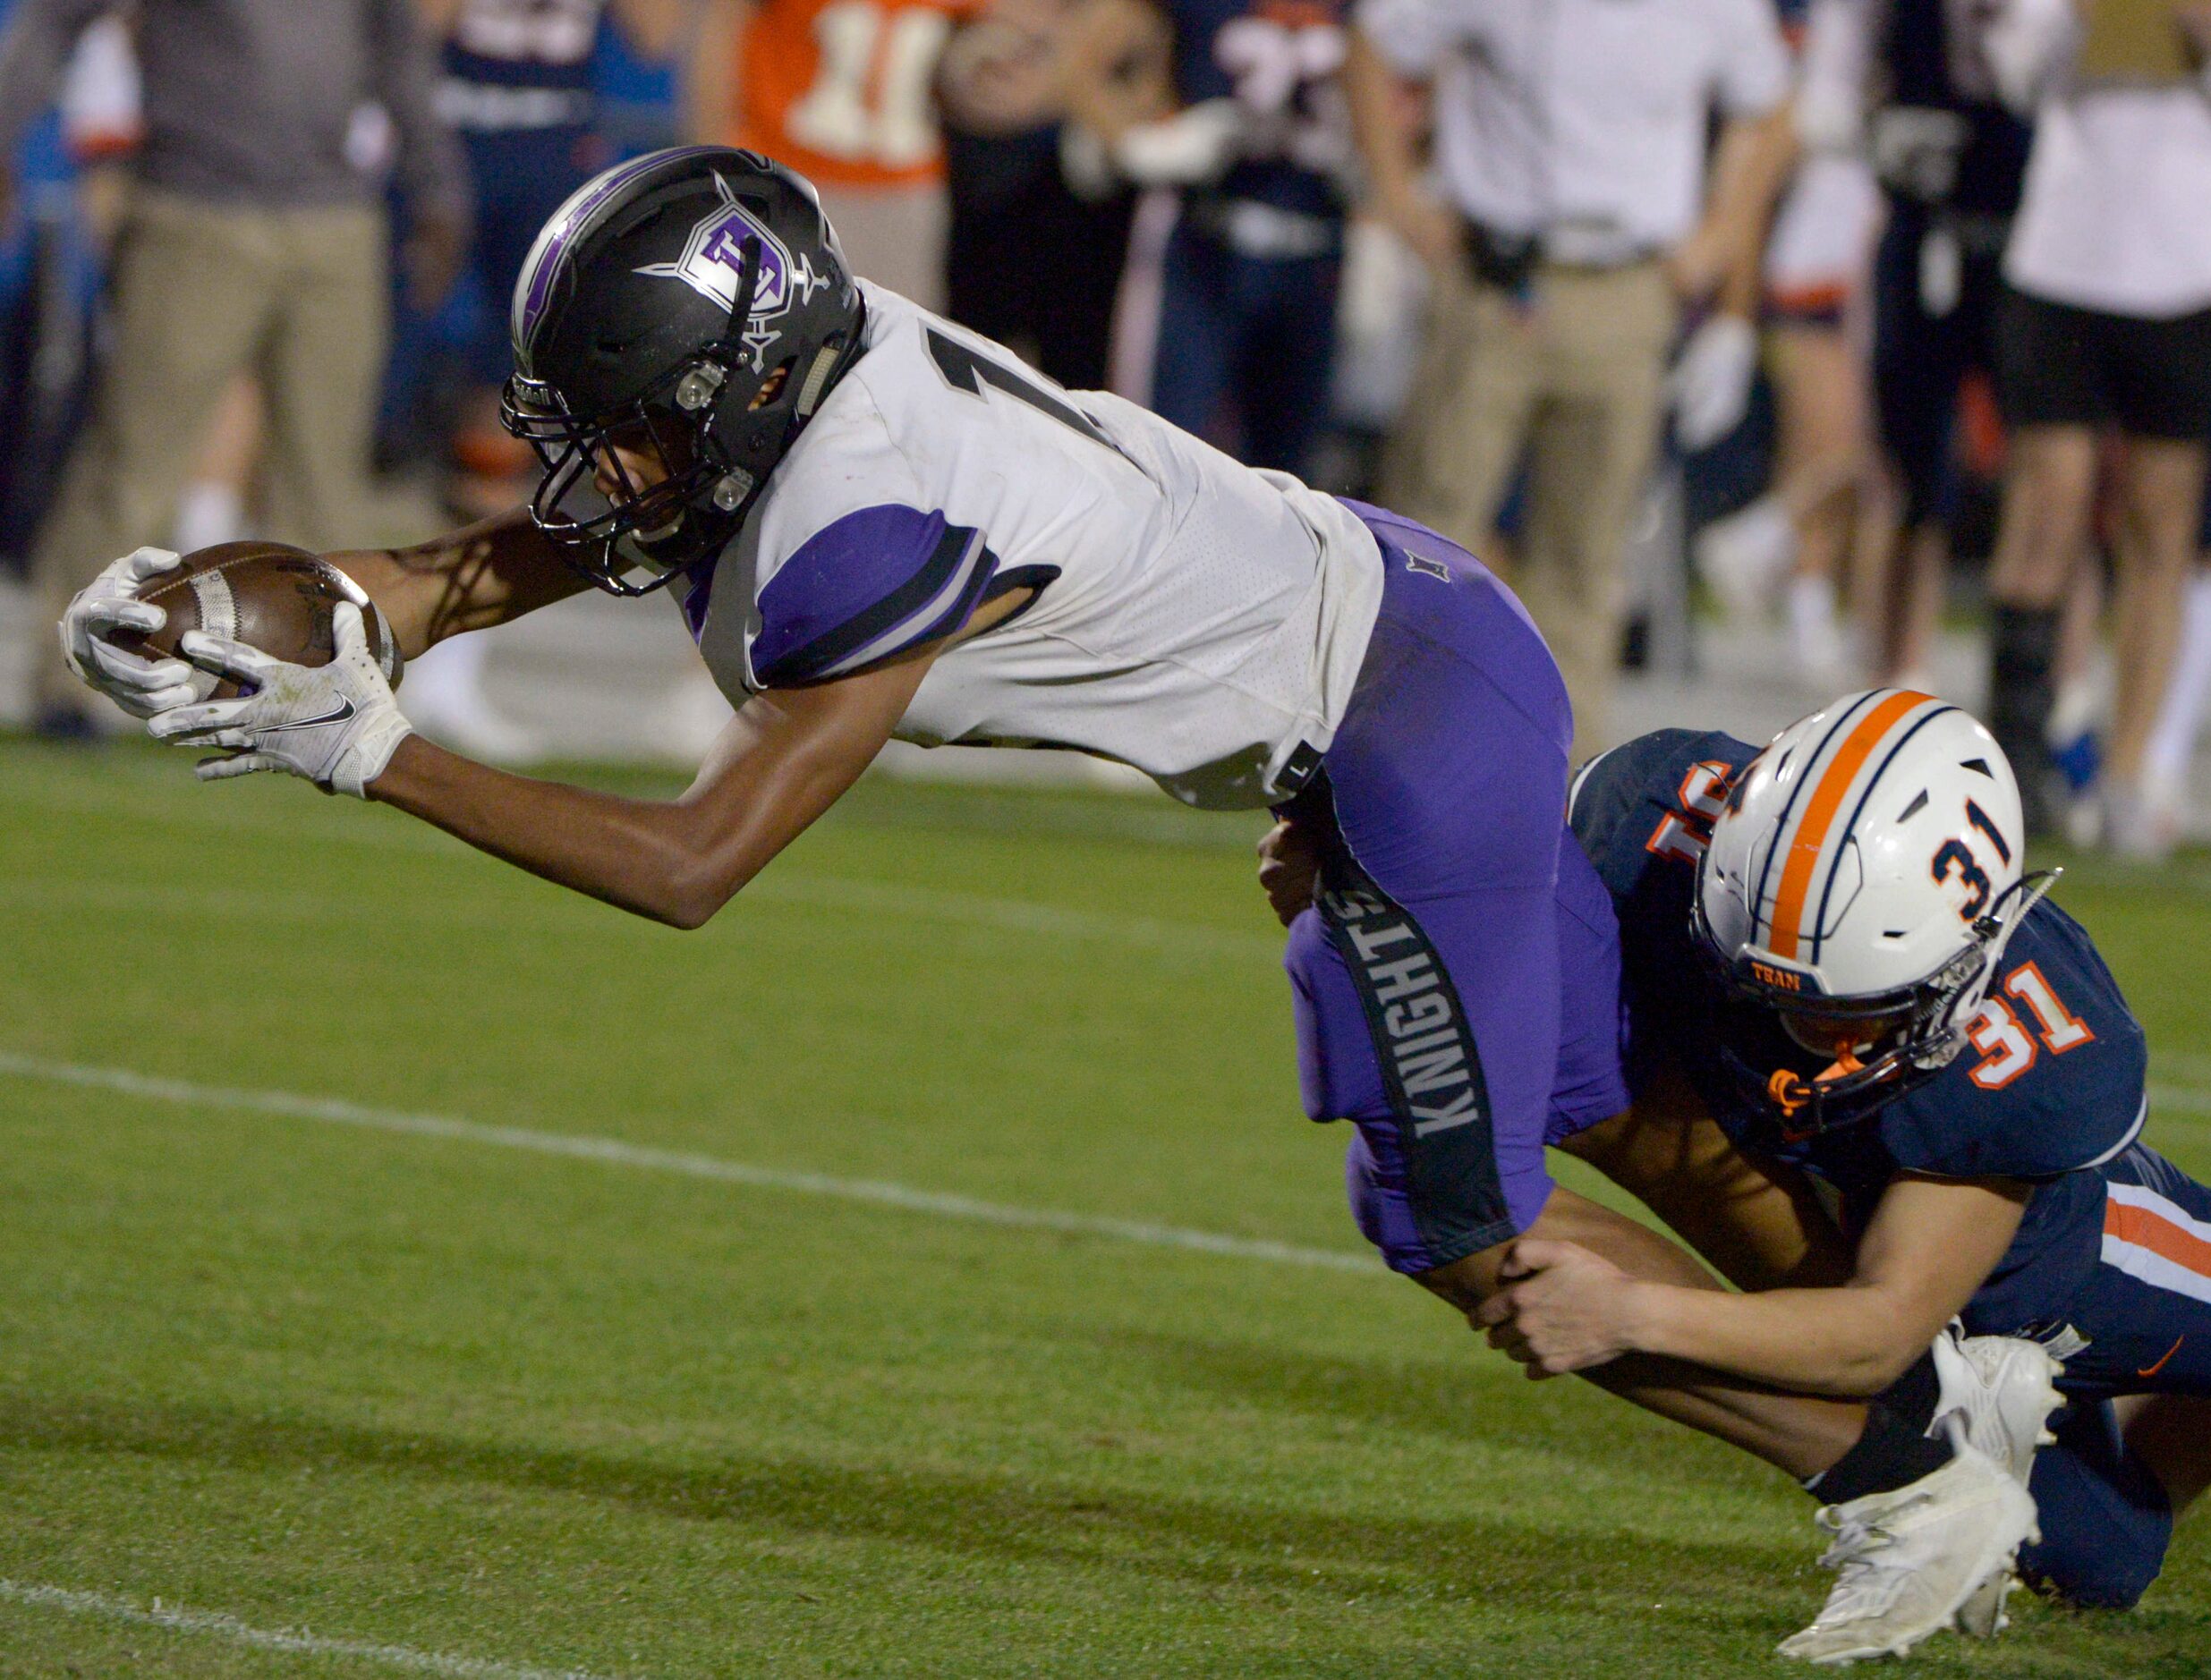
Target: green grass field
point(449, 1274)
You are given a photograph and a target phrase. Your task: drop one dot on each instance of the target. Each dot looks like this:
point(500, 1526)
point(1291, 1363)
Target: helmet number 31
point(1954, 857)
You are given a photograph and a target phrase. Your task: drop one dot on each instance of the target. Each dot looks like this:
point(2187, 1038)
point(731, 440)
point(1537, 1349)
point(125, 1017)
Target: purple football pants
point(1457, 985)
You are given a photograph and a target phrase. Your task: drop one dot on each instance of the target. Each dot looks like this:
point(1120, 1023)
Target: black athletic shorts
point(1923, 353)
point(2060, 365)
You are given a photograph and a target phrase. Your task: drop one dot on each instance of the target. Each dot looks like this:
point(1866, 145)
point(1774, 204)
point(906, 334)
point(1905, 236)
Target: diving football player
point(879, 524)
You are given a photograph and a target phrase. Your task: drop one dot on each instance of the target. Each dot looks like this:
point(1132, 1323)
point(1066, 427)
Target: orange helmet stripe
point(1819, 815)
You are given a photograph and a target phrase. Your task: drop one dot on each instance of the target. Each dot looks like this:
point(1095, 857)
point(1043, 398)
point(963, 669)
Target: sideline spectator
point(520, 89)
point(2171, 750)
point(1034, 259)
point(1950, 158)
point(841, 92)
point(1571, 137)
point(1803, 529)
point(517, 88)
point(639, 93)
point(51, 259)
point(1258, 150)
point(252, 238)
point(2105, 324)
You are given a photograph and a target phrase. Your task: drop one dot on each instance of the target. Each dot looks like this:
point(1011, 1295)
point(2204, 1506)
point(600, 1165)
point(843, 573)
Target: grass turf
point(491, 1405)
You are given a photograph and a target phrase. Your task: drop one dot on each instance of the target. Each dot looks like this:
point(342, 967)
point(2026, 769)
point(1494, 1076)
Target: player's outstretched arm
point(482, 575)
point(1929, 1246)
point(785, 759)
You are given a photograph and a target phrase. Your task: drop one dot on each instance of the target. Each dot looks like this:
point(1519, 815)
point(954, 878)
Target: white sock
point(2180, 716)
point(2079, 705)
point(1811, 609)
point(207, 512)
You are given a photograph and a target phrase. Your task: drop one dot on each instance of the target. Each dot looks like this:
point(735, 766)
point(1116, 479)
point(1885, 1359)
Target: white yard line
point(107, 1608)
point(615, 1152)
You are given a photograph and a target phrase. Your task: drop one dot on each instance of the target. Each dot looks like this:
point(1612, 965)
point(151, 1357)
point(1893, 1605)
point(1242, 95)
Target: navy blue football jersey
point(2049, 1087)
point(524, 43)
point(1278, 59)
point(1929, 62)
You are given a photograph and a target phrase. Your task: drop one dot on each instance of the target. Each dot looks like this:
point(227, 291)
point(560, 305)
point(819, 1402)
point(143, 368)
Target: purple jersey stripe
point(941, 614)
point(867, 586)
point(698, 596)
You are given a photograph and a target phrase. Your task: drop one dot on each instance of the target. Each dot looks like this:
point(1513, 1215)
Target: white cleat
point(1908, 1561)
point(2003, 1389)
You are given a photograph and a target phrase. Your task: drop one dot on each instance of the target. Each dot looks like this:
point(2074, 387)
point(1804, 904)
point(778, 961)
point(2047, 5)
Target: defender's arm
point(1929, 1246)
point(1758, 1221)
point(784, 760)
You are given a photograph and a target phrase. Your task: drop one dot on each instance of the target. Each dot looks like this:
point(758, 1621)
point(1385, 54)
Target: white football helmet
point(1859, 889)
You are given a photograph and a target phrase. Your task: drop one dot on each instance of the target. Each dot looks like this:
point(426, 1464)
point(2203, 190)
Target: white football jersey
point(1196, 618)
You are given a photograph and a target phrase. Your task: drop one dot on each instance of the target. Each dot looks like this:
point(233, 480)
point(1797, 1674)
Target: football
point(267, 595)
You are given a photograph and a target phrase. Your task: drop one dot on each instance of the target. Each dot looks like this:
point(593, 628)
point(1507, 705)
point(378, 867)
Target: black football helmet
point(689, 307)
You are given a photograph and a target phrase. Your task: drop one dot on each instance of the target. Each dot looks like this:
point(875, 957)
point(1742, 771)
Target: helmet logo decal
point(713, 265)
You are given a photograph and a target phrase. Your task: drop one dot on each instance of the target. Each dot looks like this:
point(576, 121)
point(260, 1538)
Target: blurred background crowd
point(1768, 349)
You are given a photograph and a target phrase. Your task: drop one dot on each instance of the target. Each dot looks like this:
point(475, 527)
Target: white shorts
point(1821, 247)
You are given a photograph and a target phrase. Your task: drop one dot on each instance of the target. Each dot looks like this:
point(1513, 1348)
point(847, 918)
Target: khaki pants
point(893, 236)
point(199, 291)
point(1572, 383)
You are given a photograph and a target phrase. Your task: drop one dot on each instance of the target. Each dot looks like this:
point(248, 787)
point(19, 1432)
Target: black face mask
point(1921, 1028)
point(1803, 1092)
point(663, 527)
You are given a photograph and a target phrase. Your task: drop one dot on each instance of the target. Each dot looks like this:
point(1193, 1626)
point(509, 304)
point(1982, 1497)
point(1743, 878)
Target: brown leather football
point(270, 596)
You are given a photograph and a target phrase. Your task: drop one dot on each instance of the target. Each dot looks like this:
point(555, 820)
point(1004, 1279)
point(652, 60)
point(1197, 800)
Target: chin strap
point(1996, 928)
point(2032, 889)
point(740, 307)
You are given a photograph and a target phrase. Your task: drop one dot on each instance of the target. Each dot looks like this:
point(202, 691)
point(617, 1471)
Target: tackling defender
point(1834, 941)
point(880, 524)
point(1833, 947)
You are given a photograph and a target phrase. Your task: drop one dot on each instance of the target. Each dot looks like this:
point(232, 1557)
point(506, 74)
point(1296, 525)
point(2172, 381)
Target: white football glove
point(336, 725)
point(1710, 385)
point(139, 685)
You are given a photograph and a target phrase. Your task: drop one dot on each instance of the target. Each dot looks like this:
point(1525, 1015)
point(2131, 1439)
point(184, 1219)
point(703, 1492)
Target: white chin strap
point(2031, 892)
point(2035, 890)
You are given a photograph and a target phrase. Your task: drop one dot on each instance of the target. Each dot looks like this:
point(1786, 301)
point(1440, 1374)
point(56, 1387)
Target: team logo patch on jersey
point(713, 264)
